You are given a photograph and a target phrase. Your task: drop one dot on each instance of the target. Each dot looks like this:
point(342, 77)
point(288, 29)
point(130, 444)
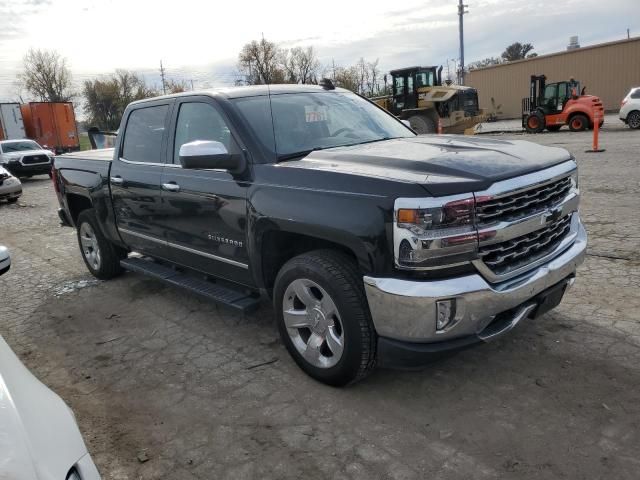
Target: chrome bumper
point(406, 309)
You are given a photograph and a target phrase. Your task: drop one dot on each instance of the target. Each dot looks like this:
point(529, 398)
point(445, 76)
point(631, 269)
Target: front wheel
point(535, 122)
point(422, 124)
point(578, 123)
point(101, 257)
point(633, 120)
point(323, 317)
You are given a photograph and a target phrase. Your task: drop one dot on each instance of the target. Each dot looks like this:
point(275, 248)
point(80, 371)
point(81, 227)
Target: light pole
point(461, 12)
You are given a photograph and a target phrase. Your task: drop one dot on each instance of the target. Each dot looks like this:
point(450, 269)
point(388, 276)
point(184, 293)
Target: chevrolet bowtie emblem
point(552, 215)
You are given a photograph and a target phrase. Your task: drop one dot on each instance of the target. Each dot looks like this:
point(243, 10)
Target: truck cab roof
point(250, 91)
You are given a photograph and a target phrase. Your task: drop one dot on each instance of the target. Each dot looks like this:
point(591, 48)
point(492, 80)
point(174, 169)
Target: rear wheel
point(535, 122)
point(578, 123)
point(12, 200)
point(323, 317)
point(101, 257)
point(422, 124)
point(633, 120)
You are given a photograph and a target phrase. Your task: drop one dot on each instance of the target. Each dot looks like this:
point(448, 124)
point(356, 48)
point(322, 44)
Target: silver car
point(10, 186)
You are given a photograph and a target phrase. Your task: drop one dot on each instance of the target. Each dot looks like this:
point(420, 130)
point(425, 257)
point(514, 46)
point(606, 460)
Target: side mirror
point(209, 154)
point(406, 122)
point(5, 260)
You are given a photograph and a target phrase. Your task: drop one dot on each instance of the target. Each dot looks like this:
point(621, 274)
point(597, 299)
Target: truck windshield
point(9, 147)
point(303, 122)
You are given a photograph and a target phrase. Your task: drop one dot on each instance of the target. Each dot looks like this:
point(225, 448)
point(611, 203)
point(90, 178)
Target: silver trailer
point(11, 123)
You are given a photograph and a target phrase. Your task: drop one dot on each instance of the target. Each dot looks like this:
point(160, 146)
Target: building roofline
point(556, 54)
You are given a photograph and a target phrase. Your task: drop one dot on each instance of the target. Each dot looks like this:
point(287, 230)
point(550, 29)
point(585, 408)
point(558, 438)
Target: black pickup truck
point(376, 246)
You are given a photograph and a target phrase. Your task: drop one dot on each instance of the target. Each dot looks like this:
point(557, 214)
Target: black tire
point(633, 120)
point(578, 123)
point(109, 255)
point(338, 275)
point(12, 200)
point(422, 124)
point(554, 128)
point(534, 123)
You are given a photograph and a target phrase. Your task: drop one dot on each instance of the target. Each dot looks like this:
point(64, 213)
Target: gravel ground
point(205, 393)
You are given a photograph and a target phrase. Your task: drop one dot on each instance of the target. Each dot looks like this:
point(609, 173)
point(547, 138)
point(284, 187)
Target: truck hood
point(17, 155)
point(442, 164)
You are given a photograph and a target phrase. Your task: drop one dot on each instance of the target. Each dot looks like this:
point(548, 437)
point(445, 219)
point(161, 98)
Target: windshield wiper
point(303, 153)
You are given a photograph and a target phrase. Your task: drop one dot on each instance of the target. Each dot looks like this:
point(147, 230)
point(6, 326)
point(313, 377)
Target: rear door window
point(635, 93)
point(144, 133)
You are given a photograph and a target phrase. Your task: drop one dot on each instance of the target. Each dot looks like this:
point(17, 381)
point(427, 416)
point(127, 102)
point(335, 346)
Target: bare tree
point(176, 86)
point(301, 65)
point(348, 78)
point(260, 62)
point(373, 78)
point(46, 76)
point(485, 62)
point(106, 99)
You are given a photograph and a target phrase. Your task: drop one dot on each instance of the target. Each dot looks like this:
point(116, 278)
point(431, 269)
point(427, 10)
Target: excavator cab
point(407, 82)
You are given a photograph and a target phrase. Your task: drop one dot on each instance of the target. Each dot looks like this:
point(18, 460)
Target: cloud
point(204, 47)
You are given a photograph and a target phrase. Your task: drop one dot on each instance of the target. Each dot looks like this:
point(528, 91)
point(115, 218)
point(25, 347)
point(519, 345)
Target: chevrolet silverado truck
point(376, 246)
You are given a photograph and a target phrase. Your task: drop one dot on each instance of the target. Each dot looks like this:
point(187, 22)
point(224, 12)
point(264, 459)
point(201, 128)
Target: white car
point(10, 186)
point(630, 108)
point(39, 437)
point(25, 158)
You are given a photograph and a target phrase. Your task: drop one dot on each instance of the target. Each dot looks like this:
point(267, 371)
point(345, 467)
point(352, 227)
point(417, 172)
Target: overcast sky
point(199, 40)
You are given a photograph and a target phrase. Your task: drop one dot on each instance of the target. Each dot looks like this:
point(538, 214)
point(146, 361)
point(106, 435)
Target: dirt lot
point(209, 394)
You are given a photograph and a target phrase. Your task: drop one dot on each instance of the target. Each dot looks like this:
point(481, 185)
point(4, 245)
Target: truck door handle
point(171, 187)
point(117, 180)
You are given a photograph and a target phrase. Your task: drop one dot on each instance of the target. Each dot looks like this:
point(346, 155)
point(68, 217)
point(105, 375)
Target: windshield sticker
point(315, 113)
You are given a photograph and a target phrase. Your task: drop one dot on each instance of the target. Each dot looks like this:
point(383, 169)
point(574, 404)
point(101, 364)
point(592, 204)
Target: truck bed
point(102, 154)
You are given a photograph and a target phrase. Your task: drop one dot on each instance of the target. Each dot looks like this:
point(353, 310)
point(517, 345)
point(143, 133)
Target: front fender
point(361, 224)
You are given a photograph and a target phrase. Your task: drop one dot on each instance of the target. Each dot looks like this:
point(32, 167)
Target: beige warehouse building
point(608, 70)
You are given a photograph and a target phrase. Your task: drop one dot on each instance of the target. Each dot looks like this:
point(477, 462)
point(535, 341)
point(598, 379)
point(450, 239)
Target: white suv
point(630, 108)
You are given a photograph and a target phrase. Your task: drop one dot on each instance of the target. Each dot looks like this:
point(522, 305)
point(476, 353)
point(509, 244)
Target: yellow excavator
point(419, 96)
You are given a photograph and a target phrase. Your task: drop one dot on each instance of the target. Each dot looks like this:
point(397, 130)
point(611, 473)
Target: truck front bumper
point(20, 170)
point(405, 312)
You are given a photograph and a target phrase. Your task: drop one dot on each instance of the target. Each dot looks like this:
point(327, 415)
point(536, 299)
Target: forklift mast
point(536, 90)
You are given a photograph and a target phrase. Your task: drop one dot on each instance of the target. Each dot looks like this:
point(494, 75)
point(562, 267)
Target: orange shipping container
point(52, 125)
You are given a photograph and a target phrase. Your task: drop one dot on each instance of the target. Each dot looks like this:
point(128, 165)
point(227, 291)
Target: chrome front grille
point(524, 203)
point(506, 257)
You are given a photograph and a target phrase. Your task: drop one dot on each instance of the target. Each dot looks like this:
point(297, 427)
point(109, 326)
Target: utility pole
point(192, 84)
point(628, 34)
point(461, 12)
point(164, 83)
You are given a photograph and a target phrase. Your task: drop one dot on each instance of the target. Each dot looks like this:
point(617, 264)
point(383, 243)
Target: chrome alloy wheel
point(90, 247)
point(313, 323)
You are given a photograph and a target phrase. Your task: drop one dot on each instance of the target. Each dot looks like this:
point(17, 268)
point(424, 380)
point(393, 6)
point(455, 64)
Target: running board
point(236, 299)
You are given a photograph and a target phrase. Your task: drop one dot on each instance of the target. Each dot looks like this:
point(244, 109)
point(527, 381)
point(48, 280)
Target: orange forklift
point(552, 105)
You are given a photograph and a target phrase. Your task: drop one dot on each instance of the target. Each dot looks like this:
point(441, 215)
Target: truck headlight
point(434, 232)
point(574, 180)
